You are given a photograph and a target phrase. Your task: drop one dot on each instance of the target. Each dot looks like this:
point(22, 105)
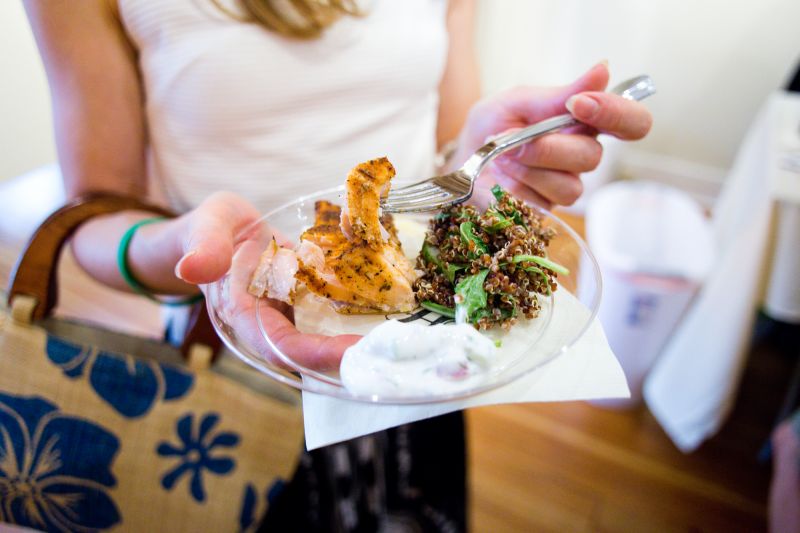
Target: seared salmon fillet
point(366, 185)
point(351, 257)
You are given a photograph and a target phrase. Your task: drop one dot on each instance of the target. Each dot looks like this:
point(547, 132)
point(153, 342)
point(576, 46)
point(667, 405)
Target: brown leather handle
point(35, 273)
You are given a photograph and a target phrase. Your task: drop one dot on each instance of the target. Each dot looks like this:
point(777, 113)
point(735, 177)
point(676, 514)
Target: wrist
point(153, 252)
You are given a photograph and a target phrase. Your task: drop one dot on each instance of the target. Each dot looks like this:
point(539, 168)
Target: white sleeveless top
point(233, 106)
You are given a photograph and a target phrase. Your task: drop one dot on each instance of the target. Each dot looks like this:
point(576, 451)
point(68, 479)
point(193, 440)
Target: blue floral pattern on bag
point(131, 386)
point(252, 512)
point(247, 515)
point(55, 469)
point(194, 450)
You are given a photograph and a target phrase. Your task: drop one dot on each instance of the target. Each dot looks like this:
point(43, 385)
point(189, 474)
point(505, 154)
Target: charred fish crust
point(326, 213)
point(352, 256)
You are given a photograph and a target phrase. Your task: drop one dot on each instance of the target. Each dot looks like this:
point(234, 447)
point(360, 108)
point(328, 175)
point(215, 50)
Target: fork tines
point(428, 195)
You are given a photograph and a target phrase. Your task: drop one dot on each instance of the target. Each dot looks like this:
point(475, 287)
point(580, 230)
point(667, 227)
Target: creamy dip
point(414, 359)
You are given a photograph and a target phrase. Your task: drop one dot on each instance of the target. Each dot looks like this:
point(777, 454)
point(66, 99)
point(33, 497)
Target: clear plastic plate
point(239, 318)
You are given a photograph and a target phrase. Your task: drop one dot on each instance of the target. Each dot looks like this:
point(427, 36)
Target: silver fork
point(443, 191)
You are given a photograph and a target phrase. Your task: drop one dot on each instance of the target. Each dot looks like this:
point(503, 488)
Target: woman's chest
point(203, 68)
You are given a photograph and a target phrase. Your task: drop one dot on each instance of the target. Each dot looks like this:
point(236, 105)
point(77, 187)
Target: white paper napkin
point(587, 370)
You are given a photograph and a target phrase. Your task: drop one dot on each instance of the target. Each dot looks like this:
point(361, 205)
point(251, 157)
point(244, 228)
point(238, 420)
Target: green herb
point(502, 221)
point(541, 261)
point(506, 313)
point(471, 294)
point(441, 216)
point(451, 270)
point(544, 276)
point(467, 230)
point(431, 255)
point(517, 216)
point(487, 312)
point(498, 343)
point(481, 313)
point(439, 308)
point(498, 192)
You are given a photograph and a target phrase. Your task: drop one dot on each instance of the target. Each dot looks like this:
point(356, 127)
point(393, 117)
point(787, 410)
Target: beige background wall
point(714, 62)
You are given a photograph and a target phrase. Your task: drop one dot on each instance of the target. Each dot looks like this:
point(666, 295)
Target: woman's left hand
point(546, 171)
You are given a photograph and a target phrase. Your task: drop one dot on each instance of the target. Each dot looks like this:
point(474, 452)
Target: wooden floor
point(555, 467)
point(575, 467)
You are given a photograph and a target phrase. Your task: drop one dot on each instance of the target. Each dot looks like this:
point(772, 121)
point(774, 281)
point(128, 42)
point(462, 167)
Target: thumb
point(594, 79)
point(209, 241)
point(535, 104)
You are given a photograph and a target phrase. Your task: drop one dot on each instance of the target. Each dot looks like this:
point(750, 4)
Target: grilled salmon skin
point(352, 256)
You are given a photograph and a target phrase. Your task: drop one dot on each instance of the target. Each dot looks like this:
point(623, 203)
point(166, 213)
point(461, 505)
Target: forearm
point(152, 255)
point(459, 87)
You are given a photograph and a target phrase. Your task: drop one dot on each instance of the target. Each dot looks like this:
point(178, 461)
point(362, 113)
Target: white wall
point(25, 133)
point(713, 65)
point(713, 61)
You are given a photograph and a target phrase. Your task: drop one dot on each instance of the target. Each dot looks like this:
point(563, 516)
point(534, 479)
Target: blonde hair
point(302, 19)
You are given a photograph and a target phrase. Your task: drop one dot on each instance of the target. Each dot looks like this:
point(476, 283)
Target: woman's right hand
point(212, 245)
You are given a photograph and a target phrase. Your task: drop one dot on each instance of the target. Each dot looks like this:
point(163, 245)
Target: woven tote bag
point(101, 431)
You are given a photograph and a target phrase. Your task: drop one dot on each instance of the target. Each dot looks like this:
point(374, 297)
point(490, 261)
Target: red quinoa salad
point(488, 267)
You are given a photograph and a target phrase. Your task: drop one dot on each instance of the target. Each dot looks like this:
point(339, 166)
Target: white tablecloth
point(693, 385)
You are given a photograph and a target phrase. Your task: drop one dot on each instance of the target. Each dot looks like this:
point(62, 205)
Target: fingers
point(546, 170)
point(594, 79)
point(318, 352)
point(612, 114)
point(540, 186)
point(532, 104)
point(208, 244)
point(523, 192)
point(558, 151)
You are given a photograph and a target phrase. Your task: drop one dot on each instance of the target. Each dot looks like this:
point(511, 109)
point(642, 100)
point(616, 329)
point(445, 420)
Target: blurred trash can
point(654, 247)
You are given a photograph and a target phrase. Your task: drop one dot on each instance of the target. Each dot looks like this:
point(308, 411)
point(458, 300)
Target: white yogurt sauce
point(413, 359)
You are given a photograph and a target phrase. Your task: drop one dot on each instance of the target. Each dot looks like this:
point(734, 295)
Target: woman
point(177, 100)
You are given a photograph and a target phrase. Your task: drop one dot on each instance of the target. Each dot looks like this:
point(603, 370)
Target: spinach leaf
point(514, 215)
point(502, 221)
point(498, 192)
point(541, 261)
point(467, 230)
point(471, 294)
point(451, 270)
point(517, 216)
point(439, 308)
point(431, 255)
point(487, 312)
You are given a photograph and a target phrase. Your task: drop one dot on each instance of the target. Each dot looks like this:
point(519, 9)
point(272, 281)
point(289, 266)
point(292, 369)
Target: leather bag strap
point(35, 274)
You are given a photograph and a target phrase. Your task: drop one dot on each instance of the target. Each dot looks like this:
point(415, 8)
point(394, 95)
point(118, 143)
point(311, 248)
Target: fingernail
point(506, 160)
point(581, 106)
point(604, 62)
point(178, 265)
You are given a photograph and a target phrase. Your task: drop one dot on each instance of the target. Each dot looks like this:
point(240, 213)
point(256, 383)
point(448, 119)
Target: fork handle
point(504, 143)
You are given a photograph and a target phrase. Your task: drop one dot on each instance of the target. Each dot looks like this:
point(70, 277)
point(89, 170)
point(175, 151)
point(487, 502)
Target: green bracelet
point(133, 283)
